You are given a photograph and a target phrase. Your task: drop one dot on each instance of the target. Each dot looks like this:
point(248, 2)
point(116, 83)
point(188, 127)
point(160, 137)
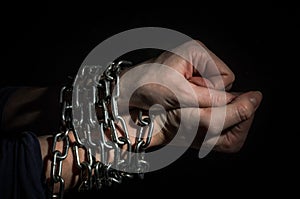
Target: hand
point(234, 128)
point(239, 116)
point(211, 87)
point(189, 72)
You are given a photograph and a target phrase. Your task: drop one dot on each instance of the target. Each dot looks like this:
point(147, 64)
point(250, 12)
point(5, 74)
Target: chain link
point(90, 128)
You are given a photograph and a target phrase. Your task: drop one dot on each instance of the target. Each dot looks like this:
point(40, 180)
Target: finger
point(201, 81)
point(231, 119)
point(207, 97)
point(216, 119)
point(207, 64)
point(233, 139)
point(240, 109)
point(204, 82)
point(218, 73)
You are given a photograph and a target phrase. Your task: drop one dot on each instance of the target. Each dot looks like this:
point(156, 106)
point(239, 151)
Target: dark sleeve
point(21, 168)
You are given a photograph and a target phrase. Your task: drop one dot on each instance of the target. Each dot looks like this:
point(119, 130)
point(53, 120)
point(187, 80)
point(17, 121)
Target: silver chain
point(90, 133)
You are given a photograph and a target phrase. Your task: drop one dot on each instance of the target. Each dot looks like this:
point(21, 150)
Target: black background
point(42, 44)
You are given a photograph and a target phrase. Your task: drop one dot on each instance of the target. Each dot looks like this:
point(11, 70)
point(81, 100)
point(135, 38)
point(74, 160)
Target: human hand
point(233, 128)
point(238, 119)
point(187, 76)
point(211, 84)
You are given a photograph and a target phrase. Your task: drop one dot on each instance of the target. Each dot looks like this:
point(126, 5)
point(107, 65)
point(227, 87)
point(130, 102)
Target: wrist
point(70, 173)
point(89, 135)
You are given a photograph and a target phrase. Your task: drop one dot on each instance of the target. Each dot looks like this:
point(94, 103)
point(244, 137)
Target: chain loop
point(95, 122)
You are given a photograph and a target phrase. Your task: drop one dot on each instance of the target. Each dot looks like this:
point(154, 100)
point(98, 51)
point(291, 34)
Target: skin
point(212, 94)
point(211, 85)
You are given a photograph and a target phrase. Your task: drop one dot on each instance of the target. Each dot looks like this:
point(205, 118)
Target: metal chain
point(90, 129)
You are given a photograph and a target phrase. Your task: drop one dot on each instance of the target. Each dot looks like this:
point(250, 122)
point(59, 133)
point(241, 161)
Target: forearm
point(70, 170)
point(32, 109)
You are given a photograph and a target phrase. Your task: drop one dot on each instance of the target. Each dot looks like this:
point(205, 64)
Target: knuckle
point(243, 112)
point(218, 99)
point(194, 45)
point(200, 43)
point(232, 77)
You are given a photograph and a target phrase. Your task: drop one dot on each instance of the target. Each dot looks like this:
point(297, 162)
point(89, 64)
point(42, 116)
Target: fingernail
point(253, 99)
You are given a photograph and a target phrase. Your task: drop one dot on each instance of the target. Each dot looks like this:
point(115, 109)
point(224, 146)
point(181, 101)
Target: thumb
point(242, 107)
